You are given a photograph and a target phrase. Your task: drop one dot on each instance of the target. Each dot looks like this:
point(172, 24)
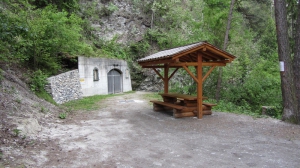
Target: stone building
point(94, 76)
point(103, 76)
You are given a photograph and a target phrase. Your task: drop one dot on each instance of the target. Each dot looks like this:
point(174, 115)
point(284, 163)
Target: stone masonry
point(65, 87)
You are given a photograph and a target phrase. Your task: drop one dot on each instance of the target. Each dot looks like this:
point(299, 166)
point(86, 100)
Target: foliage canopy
point(42, 34)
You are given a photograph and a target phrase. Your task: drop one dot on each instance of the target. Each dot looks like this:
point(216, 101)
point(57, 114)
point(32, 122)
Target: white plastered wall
point(86, 65)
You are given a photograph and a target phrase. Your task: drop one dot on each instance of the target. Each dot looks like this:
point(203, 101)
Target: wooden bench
point(206, 107)
point(208, 104)
point(160, 106)
point(180, 110)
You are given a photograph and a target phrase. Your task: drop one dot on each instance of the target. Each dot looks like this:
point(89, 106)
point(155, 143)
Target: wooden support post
point(158, 73)
point(209, 71)
point(173, 73)
point(199, 87)
point(191, 74)
point(166, 78)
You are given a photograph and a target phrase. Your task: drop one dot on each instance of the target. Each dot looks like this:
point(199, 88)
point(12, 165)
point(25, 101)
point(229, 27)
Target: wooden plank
point(187, 52)
point(220, 52)
point(205, 112)
point(208, 72)
point(169, 99)
point(156, 62)
point(189, 109)
point(181, 64)
point(214, 63)
point(167, 104)
point(204, 57)
point(191, 74)
point(199, 87)
point(158, 74)
point(166, 78)
point(177, 95)
point(211, 55)
point(158, 107)
point(192, 58)
point(190, 103)
point(211, 63)
point(186, 114)
point(208, 104)
point(158, 66)
point(178, 114)
point(173, 73)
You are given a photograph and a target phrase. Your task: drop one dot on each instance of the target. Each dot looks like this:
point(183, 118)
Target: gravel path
point(127, 133)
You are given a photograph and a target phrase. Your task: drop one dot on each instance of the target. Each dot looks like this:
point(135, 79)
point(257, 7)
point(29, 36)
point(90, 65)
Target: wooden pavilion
point(197, 55)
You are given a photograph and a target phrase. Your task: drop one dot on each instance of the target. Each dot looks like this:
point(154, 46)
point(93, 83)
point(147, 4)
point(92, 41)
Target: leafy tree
point(67, 5)
point(40, 37)
point(11, 31)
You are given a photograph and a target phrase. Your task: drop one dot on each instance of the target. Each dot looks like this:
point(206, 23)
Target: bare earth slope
point(22, 116)
point(127, 133)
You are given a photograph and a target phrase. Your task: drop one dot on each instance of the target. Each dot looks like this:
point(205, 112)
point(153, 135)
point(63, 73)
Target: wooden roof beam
point(158, 66)
point(220, 52)
point(185, 52)
point(211, 63)
point(192, 58)
point(185, 59)
point(207, 53)
point(155, 62)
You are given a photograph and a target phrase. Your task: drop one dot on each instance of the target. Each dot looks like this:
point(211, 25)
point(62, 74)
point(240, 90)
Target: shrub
point(63, 115)
point(38, 81)
point(1, 75)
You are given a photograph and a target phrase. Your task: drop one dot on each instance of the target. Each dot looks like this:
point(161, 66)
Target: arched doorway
point(114, 81)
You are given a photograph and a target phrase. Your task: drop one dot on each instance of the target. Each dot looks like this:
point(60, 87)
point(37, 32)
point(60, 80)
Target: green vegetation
point(41, 37)
point(152, 96)
point(43, 110)
point(89, 103)
point(18, 100)
point(62, 115)
point(86, 103)
point(1, 75)
point(42, 34)
point(16, 132)
point(252, 80)
point(37, 83)
point(46, 96)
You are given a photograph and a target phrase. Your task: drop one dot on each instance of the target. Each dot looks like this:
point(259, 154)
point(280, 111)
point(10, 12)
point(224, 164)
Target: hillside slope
point(23, 115)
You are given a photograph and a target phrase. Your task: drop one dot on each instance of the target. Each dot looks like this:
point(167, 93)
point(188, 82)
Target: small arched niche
point(96, 74)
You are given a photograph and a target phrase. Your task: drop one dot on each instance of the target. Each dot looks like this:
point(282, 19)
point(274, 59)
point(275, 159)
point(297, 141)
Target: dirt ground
point(128, 133)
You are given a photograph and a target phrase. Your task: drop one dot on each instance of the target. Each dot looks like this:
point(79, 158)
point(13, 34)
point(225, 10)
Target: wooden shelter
point(197, 55)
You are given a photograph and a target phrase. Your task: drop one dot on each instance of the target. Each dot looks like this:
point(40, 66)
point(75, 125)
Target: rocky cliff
point(127, 21)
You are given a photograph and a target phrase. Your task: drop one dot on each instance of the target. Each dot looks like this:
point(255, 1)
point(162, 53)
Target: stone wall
point(65, 87)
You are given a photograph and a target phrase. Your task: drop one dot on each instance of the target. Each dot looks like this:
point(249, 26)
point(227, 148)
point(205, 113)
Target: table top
point(181, 96)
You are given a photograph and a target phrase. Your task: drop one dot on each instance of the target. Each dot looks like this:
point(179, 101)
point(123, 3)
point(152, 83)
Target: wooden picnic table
point(178, 95)
point(181, 104)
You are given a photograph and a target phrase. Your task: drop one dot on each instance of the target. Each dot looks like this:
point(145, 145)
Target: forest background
point(47, 36)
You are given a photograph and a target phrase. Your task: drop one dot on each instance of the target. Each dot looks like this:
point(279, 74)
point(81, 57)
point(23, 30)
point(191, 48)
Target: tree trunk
point(287, 82)
point(297, 63)
point(219, 84)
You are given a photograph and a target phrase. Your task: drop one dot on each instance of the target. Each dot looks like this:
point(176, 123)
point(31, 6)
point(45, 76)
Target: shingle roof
point(170, 52)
